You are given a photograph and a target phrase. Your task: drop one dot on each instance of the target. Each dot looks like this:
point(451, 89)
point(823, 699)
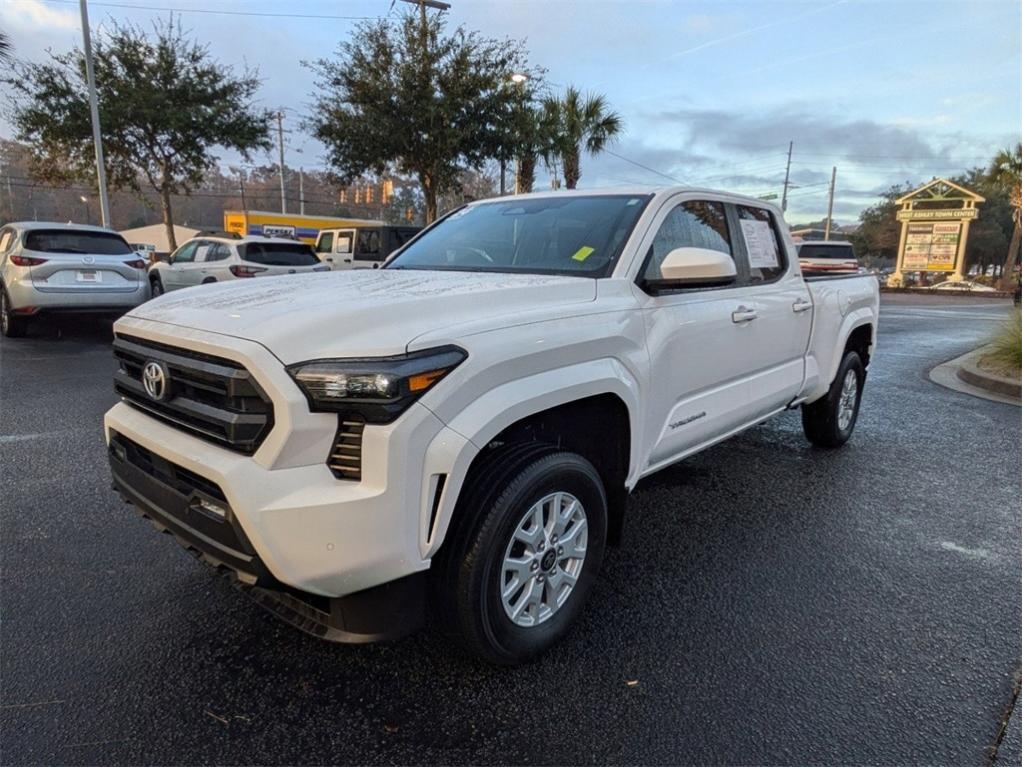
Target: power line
point(132, 6)
point(644, 167)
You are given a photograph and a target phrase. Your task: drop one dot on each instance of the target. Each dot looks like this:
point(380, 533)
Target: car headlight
point(379, 389)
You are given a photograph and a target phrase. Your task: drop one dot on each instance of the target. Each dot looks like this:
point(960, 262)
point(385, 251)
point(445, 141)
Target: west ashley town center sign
point(934, 229)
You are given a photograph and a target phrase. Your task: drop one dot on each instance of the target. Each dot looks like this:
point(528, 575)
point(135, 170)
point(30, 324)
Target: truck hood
point(363, 313)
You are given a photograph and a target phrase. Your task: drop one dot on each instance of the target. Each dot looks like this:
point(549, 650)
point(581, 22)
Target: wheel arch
point(595, 416)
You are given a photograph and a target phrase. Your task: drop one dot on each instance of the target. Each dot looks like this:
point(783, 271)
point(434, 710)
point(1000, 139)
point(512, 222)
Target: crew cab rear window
point(278, 253)
point(831, 250)
point(693, 224)
point(765, 254)
point(70, 241)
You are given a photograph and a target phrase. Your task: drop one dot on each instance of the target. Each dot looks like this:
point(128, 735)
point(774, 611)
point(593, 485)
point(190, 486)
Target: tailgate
point(76, 273)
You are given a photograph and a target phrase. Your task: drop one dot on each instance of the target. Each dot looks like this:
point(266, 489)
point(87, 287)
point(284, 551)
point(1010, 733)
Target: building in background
point(152, 239)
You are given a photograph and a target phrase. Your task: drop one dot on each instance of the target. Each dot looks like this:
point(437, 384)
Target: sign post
point(934, 230)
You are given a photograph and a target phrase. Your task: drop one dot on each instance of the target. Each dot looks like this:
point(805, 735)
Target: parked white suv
point(50, 268)
point(468, 421)
point(208, 259)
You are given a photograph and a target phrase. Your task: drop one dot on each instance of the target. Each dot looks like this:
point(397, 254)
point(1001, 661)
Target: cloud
point(811, 131)
point(33, 15)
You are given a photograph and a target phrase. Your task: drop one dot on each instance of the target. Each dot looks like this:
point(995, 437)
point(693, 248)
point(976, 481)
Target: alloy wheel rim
point(544, 559)
point(846, 403)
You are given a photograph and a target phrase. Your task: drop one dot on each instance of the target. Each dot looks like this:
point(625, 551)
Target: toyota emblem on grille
point(155, 380)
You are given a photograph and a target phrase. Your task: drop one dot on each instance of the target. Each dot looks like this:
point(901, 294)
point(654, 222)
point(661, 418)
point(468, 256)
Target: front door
point(174, 274)
point(700, 339)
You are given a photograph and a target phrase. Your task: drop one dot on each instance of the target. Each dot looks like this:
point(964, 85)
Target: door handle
point(801, 306)
point(744, 314)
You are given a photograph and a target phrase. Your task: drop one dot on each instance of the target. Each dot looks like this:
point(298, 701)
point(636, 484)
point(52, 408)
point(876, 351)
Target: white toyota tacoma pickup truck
point(458, 431)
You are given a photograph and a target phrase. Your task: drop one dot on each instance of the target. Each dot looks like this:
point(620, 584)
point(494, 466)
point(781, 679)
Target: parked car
point(466, 422)
point(222, 258)
point(365, 247)
point(48, 268)
point(835, 256)
point(972, 287)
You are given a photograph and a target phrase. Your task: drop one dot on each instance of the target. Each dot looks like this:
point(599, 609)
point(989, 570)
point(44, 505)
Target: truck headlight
point(380, 388)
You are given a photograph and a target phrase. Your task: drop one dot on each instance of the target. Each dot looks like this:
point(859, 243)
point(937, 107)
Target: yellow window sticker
point(583, 253)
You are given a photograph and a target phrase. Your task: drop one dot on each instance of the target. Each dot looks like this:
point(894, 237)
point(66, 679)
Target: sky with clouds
point(710, 92)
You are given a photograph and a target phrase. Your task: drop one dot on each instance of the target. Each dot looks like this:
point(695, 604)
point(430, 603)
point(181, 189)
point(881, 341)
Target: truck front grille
point(346, 455)
point(211, 397)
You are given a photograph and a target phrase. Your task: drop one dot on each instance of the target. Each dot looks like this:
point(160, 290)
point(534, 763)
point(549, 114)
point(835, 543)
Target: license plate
point(89, 275)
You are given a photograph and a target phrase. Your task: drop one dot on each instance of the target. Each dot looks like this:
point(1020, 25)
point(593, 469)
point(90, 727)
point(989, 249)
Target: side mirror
point(695, 267)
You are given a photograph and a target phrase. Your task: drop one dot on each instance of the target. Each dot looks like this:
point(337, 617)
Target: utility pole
point(787, 175)
point(241, 183)
point(830, 203)
point(301, 190)
point(90, 76)
point(280, 142)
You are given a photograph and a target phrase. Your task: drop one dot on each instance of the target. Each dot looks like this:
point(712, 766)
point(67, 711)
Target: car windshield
point(569, 235)
point(71, 241)
point(812, 250)
point(278, 253)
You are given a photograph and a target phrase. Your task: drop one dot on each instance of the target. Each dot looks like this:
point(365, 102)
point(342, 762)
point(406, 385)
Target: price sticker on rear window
point(759, 239)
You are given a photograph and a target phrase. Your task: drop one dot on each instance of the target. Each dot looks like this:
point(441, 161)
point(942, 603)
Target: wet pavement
point(771, 603)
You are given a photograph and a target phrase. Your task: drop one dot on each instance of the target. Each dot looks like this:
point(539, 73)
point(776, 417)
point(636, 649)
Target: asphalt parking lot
point(772, 603)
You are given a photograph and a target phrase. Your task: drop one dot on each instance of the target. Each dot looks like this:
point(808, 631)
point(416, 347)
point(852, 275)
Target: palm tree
point(1006, 169)
point(579, 123)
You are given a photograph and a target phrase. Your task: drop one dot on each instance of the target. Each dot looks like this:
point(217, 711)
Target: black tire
point(821, 420)
point(156, 286)
point(11, 325)
point(468, 574)
point(209, 280)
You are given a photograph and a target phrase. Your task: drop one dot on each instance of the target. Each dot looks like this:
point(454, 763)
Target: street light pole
point(90, 76)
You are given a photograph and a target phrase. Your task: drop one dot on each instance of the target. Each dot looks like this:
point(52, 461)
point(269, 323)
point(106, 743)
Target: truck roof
point(659, 191)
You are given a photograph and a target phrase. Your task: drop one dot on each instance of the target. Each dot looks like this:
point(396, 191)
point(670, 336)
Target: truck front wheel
point(517, 571)
point(830, 420)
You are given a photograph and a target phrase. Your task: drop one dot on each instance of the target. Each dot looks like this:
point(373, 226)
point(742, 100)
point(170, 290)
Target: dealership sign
point(934, 229)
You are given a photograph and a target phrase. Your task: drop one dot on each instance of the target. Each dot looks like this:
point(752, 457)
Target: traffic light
point(369, 194)
point(388, 190)
point(358, 195)
point(344, 196)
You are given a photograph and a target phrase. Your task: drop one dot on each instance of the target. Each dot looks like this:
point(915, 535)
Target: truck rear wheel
point(830, 420)
point(516, 573)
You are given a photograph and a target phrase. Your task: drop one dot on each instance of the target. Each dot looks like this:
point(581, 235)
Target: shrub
point(1006, 346)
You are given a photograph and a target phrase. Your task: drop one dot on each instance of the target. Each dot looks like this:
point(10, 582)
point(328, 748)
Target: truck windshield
point(579, 236)
point(278, 254)
point(71, 241)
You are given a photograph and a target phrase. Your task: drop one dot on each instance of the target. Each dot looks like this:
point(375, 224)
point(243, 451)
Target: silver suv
point(217, 259)
point(47, 268)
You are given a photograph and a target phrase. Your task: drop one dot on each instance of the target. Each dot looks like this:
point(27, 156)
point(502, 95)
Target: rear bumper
point(196, 513)
point(24, 294)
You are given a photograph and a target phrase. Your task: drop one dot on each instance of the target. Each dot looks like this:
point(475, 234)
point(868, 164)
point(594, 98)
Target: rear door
point(215, 267)
point(777, 294)
point(343, 249)
point(78, 261)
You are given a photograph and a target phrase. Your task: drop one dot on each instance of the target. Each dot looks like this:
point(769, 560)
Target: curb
point(970, 372)
point(949, 293)
point(947, 374)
